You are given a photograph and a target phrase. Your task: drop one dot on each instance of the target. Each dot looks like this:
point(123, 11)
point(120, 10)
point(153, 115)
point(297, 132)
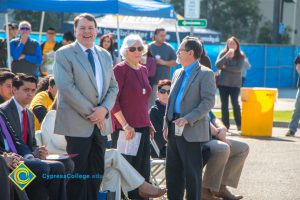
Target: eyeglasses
point(50, 33)
point(24, 29)
point(179, 50)
point(133, 49)
point(164, 91)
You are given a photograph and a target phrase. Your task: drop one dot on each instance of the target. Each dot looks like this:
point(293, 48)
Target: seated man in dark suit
point(14, 127)
point(23, 124)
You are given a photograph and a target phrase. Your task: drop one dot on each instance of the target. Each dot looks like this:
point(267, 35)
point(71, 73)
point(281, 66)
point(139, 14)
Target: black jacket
point(157, 113)
point(10, 110)
point(22, 148)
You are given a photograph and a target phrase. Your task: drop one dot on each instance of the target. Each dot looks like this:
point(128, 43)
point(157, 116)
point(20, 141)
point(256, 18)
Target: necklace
point(142, 83)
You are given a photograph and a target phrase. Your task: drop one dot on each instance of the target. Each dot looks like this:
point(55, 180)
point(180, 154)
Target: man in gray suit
point(87, 91)
point(192, 96)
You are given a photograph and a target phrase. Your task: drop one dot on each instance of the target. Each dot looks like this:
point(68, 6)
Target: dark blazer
point(10, 110)
point(22, 148)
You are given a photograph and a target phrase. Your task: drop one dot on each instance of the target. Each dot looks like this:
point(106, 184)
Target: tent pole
point(118, 36)
point(7, 41)
point(177, 34)
point(41, 26)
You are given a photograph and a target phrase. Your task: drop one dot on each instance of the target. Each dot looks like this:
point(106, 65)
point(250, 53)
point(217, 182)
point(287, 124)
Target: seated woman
point(225, 164)
point(118, 172)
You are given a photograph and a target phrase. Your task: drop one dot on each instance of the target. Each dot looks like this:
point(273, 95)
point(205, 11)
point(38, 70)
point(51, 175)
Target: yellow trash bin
point(258, 111)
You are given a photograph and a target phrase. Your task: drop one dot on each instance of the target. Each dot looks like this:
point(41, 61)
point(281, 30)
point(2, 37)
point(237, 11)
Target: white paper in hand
point(129, 147)
point(178, 130)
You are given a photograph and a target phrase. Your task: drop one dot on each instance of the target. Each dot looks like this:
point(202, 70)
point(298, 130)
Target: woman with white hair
point(130, 112)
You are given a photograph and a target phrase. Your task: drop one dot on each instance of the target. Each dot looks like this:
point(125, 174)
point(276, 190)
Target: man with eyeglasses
point(186, 123)
point(165, 56)
point(26, 52)
point(48, 49)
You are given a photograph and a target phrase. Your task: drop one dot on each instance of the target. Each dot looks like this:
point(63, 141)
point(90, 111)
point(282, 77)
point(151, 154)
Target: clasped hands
point(98, 116)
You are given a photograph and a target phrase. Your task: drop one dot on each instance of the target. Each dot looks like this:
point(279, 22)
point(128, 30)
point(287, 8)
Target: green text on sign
point(193, 22)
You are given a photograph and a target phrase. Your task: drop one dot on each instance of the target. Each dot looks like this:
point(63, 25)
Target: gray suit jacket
point(197, 100)
point(78, 93)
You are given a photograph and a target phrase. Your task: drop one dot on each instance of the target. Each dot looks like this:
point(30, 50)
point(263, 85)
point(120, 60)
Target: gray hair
point(24, 22)
point(129, 41)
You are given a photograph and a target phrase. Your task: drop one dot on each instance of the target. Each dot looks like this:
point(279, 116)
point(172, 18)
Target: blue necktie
point(91, 60)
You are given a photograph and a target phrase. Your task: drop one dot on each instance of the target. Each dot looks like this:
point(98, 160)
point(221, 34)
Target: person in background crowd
point(225, 164)
point(6, 86)
point(43, 100)
point(157, 113)
point(26, 52)
point(48, 49)
point(230, 63)
point(293, 126)
point(15, 29)
point(130, 112)
point(165, 56)
point(3, 44)
point(3, 53)
point(12, 30)
point(107, 42)
point(186, 124)
point(149, 61)
point(246, 67)
point(68, 38)
point(205, 60)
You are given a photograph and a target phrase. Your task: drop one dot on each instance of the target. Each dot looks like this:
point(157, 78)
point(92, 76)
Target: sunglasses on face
point(133, 49)
point(24, 29)
point(164, 91)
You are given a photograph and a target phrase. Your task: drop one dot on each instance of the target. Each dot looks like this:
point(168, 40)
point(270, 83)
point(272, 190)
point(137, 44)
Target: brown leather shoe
point(146, 190)
point(226, 194)
point(206, 194)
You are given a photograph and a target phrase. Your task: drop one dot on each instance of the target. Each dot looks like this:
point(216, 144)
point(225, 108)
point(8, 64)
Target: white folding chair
point(158, 165)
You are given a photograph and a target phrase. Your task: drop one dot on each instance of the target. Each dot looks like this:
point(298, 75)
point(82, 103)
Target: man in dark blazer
point(19, 123)
point(87, 92)
point(192, 96)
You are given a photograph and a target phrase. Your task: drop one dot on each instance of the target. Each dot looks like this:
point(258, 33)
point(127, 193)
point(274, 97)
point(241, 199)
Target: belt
point(175, 116)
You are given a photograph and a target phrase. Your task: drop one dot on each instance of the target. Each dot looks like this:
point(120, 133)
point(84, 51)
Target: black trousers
point(89, 161)
point(42, 188)
point(234, 93)
point(5, 189)
point(141, 162)
point(183, 167)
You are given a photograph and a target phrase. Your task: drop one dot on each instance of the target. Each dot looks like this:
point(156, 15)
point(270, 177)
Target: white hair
point(130, 41)
point(24, 22)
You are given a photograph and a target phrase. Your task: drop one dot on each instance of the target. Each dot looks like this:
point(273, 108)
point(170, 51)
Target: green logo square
point(22, 176)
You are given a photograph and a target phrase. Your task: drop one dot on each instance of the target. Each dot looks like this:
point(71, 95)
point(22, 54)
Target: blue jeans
point(296, 115)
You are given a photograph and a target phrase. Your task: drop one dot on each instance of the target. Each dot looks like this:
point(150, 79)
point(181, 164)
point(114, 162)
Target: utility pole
point(276, 20)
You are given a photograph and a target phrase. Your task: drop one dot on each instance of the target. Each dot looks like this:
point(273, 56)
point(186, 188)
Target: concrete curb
point(275, 124)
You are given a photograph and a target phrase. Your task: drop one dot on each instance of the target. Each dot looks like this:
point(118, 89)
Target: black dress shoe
point(290, 133)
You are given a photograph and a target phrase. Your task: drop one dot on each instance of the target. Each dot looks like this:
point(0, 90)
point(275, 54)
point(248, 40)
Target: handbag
point(106, 195)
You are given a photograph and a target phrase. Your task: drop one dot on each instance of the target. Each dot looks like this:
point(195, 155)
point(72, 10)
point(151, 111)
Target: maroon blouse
point(131, 100)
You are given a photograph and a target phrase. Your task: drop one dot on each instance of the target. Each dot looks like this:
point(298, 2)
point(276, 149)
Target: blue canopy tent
point(150, 8)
